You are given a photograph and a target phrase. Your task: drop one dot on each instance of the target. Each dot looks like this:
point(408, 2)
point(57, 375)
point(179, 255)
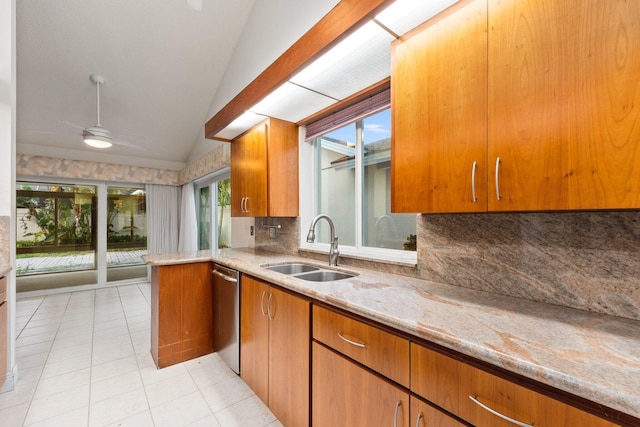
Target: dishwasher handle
point(224, 276)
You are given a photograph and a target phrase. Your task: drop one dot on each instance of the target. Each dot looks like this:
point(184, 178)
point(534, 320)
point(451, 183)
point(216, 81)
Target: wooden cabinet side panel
point(282, 181)
point(169, 304)
point(197, 310)
point(385, 353)
point(345, 394)
point(439, 114)
point(254, 336)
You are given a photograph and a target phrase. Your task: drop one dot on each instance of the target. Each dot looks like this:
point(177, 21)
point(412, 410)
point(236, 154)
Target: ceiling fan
point(97, 136)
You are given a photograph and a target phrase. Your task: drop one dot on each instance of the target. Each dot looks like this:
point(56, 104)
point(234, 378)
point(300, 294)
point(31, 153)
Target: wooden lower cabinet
point(426, 415)
point(181, 312)
point(274, 356)
point(451, 384)
point(345, 394)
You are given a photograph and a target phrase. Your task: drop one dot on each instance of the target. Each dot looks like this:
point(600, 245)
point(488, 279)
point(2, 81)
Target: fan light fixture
point(97, 136)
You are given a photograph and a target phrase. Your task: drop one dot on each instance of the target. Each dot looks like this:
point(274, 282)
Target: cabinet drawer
point(3, 289)
point(381, 351)
point(450, 384)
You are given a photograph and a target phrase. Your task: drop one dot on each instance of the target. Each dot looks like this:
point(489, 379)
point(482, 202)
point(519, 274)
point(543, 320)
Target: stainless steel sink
point(324, 276)
point(291, 269)
point(308, 272)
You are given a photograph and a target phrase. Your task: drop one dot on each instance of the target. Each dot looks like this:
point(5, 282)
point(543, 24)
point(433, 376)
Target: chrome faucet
point(333, 251)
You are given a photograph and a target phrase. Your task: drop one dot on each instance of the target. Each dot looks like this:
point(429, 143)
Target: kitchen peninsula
point(586, 359)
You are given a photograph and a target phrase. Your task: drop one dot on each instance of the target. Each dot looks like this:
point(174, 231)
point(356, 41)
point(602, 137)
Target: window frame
point(210, 181)
point(309, 204)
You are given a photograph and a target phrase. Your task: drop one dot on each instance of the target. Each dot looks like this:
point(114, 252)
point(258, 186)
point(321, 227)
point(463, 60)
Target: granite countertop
point(591, 355)
point(4, 269)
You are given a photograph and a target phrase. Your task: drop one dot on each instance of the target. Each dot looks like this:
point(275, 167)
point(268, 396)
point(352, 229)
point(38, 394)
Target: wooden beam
point(346, 17)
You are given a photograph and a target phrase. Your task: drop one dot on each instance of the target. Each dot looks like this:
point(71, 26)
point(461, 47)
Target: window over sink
point(352, 165)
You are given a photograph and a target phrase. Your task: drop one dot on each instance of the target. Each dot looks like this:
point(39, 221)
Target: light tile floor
point(84, 360)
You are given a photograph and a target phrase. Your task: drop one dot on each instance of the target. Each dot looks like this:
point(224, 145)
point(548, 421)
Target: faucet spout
point(311, 236)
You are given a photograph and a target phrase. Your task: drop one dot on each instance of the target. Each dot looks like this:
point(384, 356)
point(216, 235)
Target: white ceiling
point(162, 60)
point(169, 65)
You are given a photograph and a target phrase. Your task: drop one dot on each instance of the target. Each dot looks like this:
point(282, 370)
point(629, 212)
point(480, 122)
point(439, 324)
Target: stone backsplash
point(584, 260)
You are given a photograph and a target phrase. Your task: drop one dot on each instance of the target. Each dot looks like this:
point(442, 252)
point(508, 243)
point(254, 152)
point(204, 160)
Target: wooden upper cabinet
point(564, 104)
point(439, 113)
point(264, 171)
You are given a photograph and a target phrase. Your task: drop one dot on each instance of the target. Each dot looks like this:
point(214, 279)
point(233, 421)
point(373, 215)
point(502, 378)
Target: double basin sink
point(309, 272)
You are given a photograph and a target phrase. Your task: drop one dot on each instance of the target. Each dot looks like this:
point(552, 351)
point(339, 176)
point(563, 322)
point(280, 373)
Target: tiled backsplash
point(583, 260)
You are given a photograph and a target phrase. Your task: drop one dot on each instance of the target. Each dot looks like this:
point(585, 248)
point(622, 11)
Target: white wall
point(8, 164)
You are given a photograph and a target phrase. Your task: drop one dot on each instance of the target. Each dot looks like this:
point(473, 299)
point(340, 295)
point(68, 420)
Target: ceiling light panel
point(292, 103)
point(240, 125)
point(404, 15)
point(359, 61)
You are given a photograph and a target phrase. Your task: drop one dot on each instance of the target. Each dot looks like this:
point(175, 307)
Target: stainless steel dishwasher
point(226, 315)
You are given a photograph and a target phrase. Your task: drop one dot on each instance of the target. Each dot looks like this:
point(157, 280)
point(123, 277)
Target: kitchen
point(546, 257)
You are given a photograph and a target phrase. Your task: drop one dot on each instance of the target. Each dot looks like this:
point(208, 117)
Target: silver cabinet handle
point(498, 178)
point(262, 303)
point(269, 315)
point(498, 414)
point(224, 276)
point(357, 344)
point(395, 416)
point(474, 199)
point(418, 420)
point(246, 205)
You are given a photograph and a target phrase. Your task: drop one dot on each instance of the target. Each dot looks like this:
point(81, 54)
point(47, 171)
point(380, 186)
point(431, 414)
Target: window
point(126, 226)
point(353, 187)
point(55, 228)
point(213, 198)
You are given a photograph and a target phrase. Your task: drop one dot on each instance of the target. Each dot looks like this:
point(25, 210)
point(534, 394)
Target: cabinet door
point(249, 173)
point(254, 336)
point(439, 114)
point(197, 310)
point(451, 384)
point(289, 341)
point(425, 415)
point(564, 81)
point(344, 394)
point(282, 181)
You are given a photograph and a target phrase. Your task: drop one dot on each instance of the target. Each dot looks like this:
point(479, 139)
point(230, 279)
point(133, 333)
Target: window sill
point(378, 256)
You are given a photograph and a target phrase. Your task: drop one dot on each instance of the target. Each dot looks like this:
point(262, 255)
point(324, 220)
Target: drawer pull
point(498, 414)
point(269, 314)
point(474, 199)
point(395, 416)
point(498, 197)
point(262, 303)
point(418, 420)
point(357, 344)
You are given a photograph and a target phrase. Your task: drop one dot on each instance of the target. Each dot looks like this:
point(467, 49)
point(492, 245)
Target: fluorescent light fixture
point(241, 124)
point(338, 53)
point(404, 15)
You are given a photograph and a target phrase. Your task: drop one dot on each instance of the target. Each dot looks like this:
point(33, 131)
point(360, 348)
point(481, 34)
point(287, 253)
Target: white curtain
point(188, 220)
point(163, 218)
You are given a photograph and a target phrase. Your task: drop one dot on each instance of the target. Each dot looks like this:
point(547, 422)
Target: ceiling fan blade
point(127, 144)
point(72, 124)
